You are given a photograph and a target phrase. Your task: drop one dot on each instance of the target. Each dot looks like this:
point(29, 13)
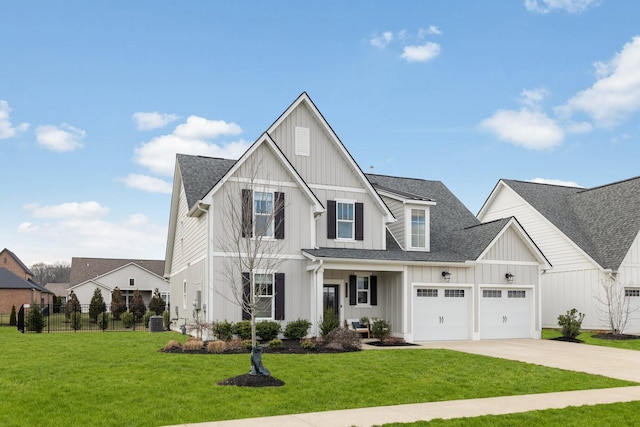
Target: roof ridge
point(584, 190)
point(402, 177)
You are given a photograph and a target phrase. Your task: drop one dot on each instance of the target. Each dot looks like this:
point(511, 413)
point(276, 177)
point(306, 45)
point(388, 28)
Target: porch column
point(316, 310)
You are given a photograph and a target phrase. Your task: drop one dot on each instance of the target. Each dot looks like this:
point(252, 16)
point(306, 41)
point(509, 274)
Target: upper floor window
point(418, 228)
point(345, 220)
point(132, 281)
point(263, 213)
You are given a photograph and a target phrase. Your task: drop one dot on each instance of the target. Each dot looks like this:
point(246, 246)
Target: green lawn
point(616, 414)
point(120, 378)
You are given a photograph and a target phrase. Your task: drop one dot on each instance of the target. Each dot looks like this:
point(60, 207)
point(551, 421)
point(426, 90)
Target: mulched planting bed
point(247, 380)
point(391, 343)
point(609, 336)
point(288, 347)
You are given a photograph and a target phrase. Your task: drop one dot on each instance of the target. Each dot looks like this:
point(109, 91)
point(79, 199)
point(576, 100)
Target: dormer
point(413, 228)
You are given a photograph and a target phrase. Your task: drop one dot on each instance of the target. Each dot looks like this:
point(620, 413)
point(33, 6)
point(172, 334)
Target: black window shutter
point(247, 213)
point(359, 221)
point(331, 219)
point(279, 296)
point(373, 288)
point(353, 292)
point(246, 295)
point(279, 217)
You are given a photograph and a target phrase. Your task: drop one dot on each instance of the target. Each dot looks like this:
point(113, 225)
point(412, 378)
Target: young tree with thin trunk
point(614, 307)
point(252, 240)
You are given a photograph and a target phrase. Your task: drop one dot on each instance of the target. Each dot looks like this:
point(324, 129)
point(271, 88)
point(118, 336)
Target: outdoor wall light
point(509, 277)
point(446, 275)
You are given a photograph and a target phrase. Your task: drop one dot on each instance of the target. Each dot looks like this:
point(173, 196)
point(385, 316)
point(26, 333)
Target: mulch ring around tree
point(248, 380)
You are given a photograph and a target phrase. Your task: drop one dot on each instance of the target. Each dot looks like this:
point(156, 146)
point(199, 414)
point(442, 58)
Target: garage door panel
point(441, 313)
point(505, 313)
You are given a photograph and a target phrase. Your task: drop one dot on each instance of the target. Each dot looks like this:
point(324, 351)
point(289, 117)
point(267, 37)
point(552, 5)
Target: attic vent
point(302, 141)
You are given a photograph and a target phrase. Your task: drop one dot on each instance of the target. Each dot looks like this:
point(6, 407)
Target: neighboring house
point(402, 249)
point(11, 262)
point(16, 291)
point(590, 236)
point(129, 275)
point(59, 290)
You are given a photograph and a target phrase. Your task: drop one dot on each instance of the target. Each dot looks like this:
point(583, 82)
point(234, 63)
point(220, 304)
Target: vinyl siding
point(510, 247)
point(397, 228)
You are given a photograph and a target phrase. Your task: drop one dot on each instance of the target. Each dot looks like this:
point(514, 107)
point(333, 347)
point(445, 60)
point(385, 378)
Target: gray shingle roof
point(456, 234)
point(8, 280)
point(200, 174)
point(602, 221)
point(83, 269)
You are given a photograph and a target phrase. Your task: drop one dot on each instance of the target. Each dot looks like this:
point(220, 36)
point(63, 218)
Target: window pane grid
point(454, 293)
point(629, 292)
point(516, 294)
point(263, 213)
point(427, 293)
point(345, 222)
point(418, 228)
point(491, 293)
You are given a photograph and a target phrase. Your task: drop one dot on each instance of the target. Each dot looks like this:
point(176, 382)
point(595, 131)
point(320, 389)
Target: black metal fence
point(59, 318)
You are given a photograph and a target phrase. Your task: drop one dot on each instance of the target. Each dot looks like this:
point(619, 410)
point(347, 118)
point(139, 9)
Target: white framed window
point(492, 293)
point(264, 290)
point(166, 297)
point(345, 220)
point(184, 294)
point(427, 293)
point(516, 294)
point(632, 292)
point(454, 293)
point(418, 228)
point(363, 290)
point(263, 202)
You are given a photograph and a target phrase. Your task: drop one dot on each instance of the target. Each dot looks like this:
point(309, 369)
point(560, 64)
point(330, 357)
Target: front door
point(331, 298)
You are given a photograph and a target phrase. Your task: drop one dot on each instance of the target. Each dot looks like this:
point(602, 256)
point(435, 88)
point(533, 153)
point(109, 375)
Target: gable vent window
point(303, 146)
point(132, 282)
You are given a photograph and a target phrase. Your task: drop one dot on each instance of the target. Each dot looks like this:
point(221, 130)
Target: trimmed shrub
point(35, 319)
point(570, 323)
point(381, 329)
point(308, 344)
point(157, 304)
point(275, 343)
point(216, 347)
point(223, 330)
point(243, 329)
point(236, 344)
point(97, 305)
point(329, 322)
point(13, 321)
point(246, 344)
point(127, 319)
point(103, 320)
point(147, 318)
point(343, 339)
point(297, 329)
point(268, 329)
point(172, 345)
point(75, 319)
point(166, 319)
point(193, 344)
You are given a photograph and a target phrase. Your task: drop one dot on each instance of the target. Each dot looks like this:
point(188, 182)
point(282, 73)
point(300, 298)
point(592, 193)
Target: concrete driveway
point(606, 361)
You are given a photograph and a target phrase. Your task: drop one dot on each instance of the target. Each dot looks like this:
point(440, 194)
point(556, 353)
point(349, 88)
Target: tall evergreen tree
point(118, 305)
point(137, 305)
point(157, 304)
point(97, 305)
point(72, 306)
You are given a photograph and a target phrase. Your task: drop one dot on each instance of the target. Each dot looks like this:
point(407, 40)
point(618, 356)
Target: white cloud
point(571, 6)
point(192, 137)
point(382, 40)
point(27, 227)
point(533, 130)
point(552, 181)
point(61, 139)
point(147, 183)
point(421, 53)
point(67, 210)
point(7, 130)
point(616, 93)
point(434, 30)
point(154, 120)
point(533, 97)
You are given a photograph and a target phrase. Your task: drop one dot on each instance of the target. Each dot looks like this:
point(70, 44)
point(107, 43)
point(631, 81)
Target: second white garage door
point(505, 313)
point(441, 313)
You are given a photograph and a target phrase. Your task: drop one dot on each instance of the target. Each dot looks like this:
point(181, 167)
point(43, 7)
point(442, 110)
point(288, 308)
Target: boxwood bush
point(297, 329)
point(268, 329)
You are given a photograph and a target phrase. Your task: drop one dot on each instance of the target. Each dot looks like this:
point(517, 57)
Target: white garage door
point(441, 313)
point(505, 313)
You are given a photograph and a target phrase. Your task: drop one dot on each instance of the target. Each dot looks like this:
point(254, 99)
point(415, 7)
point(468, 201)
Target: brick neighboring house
point(17, 286)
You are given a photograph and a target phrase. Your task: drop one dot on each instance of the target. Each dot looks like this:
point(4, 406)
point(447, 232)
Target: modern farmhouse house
point(590, 235)
point(402, 249)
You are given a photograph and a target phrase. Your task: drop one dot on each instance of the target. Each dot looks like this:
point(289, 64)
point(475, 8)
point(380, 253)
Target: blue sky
point(96, 97)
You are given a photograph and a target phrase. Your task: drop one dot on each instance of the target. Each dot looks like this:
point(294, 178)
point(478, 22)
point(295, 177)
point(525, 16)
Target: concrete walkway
point(610, 362)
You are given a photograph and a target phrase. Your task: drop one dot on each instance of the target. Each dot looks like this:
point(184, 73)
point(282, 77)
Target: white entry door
point(505, 313)
point(441, 313)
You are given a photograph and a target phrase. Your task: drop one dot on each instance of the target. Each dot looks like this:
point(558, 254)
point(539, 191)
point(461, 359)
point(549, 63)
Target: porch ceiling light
point(446, 275)
point(509, 277)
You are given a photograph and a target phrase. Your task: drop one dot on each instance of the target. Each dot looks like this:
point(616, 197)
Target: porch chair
point(360, 328)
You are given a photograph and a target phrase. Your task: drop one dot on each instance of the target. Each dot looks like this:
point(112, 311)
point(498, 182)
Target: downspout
point(315, 281)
